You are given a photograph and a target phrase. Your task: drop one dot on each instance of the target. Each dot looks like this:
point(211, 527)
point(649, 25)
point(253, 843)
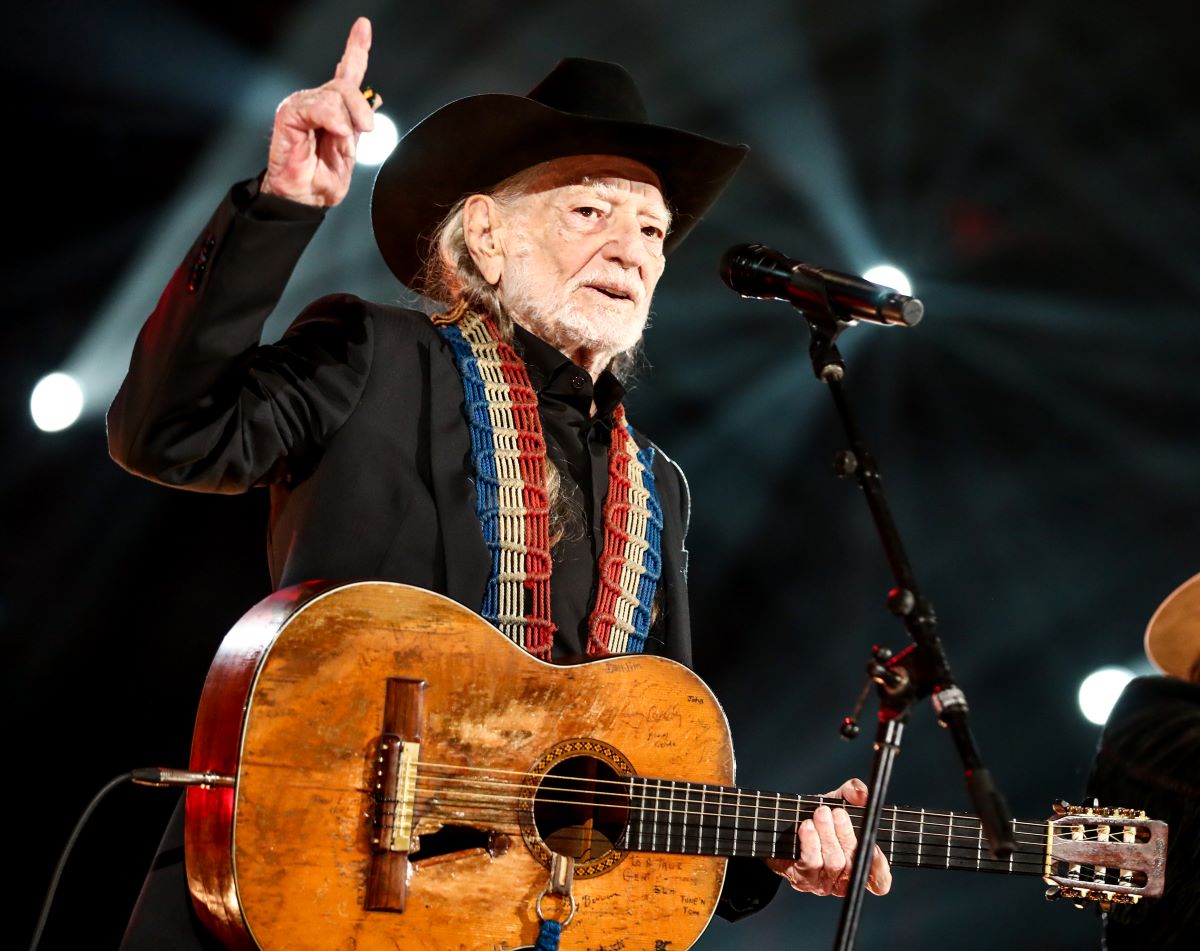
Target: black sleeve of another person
point(1149, 758)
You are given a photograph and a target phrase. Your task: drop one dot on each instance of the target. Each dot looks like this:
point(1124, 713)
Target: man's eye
point(587, 211)
point(653, 231)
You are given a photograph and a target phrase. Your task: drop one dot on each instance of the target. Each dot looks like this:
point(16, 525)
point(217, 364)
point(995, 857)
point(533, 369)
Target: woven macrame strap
point(508, 452)
point(631, 562)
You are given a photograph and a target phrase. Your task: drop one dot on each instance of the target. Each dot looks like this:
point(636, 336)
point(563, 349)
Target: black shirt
point(577, 444)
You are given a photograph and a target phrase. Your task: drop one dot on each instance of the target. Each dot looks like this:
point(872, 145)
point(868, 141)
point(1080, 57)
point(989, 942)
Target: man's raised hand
point(316, 131)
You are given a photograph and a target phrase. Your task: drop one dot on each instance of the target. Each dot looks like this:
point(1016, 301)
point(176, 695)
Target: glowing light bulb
point(890, 276)
point(375, 146)
point(1100, 690)
point(56, 402)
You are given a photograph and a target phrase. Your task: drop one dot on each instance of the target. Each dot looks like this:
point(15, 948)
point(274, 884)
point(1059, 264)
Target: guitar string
point(1033, 855)
point(749, 799)
point(497, 802)
point(786, 812)
point(726, 840)
point(716, 788)
point(906, 826)
point(709, 792)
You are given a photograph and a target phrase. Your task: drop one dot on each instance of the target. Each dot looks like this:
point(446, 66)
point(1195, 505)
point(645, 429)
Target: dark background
point(1031, 165)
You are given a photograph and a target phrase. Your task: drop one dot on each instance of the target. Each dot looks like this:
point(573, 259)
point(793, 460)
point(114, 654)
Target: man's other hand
point(827, 844)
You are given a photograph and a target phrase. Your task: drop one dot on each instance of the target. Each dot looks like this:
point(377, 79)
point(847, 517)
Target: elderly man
point(540, 224)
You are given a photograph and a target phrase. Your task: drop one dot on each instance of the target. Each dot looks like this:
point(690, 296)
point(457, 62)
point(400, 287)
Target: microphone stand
point(920, 670)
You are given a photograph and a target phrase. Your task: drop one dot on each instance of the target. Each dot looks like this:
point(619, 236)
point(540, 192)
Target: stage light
point(1099, 691)
point(889, 276)
point(56, 402)
point(377, 145)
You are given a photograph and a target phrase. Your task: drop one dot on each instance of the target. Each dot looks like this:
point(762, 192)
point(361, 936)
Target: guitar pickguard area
point(575, 801)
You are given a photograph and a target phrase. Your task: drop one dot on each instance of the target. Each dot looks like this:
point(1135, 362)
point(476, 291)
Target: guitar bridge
point(395, 794)
point(395, 813)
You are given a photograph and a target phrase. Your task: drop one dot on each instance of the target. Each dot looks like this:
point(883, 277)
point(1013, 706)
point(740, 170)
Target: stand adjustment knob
point(845, 464)
point(901, 601)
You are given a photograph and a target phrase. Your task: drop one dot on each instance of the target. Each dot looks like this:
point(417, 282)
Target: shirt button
point(577, 381)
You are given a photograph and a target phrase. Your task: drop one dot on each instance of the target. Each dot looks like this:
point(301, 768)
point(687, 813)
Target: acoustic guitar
point(389, 771)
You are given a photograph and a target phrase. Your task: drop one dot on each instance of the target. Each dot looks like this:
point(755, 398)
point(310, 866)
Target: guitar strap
point(508, 452)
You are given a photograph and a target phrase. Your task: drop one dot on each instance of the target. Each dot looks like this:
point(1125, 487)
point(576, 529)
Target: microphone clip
point(827, 361)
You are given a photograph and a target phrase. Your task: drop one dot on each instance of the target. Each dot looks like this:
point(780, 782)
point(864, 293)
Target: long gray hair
point(450, 276)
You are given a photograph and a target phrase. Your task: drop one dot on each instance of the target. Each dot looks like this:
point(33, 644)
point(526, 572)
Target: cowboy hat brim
point(1173, 634)
point(473, 144)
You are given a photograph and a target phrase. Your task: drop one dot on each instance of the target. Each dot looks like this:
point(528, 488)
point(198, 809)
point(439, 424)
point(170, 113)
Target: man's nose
point(626, 245)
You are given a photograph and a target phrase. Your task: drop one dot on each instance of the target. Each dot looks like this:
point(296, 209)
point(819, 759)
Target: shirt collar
point(552, 372)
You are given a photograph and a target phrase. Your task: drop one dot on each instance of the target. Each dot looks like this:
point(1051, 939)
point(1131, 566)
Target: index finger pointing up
point(353, 64)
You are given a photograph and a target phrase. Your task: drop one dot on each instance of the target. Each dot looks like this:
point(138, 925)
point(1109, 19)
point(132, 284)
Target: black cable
point(62, 862)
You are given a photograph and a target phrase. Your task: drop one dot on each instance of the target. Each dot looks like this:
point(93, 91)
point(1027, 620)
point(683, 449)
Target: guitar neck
point(700, 819)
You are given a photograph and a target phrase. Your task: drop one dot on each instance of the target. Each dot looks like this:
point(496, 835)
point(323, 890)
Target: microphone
point(757, 271)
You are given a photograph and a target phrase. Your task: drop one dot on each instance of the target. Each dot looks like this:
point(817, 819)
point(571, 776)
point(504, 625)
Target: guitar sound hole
point(581, 808)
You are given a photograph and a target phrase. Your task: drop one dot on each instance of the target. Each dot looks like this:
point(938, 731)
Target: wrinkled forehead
point(599, 173)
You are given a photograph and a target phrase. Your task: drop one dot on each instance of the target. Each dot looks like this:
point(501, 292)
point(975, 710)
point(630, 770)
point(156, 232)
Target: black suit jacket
point(354, 420)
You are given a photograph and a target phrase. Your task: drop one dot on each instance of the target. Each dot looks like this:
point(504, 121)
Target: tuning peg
point(1053, 893)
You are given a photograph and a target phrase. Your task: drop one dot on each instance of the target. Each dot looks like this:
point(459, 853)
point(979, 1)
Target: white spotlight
point(1100, 690)
point(891, 277)
point(377, 145)
point(56, 402)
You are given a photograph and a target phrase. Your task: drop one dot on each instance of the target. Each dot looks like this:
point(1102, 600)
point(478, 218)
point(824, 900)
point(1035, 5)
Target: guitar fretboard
point(701, 819)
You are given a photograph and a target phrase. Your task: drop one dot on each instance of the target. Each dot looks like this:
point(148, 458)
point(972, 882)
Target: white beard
point(574, 317)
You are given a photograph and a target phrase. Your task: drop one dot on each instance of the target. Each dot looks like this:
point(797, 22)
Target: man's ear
point(483, 231)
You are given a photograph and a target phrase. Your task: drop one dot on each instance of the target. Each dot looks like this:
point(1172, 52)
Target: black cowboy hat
point(583, 107)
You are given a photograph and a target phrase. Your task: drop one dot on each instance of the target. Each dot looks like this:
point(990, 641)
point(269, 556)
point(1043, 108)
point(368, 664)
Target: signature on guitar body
point(403, 775)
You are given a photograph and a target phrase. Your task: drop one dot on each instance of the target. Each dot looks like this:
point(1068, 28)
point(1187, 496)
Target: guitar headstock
point(1113, 856)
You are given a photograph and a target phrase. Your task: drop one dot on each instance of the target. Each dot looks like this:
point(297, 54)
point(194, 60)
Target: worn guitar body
point(385, 770)
point(294, 708)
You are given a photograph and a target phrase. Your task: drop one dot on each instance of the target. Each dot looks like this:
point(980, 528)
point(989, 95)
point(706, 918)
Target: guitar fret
point(979, 848)
point(683, 832)
point(654, 828)
point(777, 829)
point(795, 835)
point(700, 836)
point(670, 811)
point(949, 839)
point(920, 835)
point(737, 811)
point(633, 814)
point(645, 814)
point(754, 831)
point(642, 818)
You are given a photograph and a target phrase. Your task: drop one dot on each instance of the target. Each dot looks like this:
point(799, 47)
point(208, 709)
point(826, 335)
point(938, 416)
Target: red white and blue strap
point(631, 563)
point(508, 452)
